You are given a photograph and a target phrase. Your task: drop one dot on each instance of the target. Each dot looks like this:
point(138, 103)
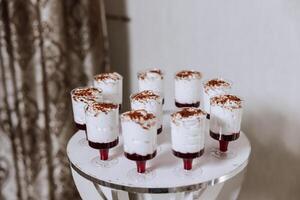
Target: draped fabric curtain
point(47, 47)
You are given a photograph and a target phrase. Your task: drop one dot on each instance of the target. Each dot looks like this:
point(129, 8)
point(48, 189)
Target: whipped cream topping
point(101, 107)
point(187, 114)
point(227, 101)
point(114, 76)
point(145, 95)
point(85, 94)
point(216, 83)
point(154, 73)
point(188, 74)
point(141, 117)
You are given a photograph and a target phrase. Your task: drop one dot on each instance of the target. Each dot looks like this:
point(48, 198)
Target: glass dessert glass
point(187, 88)
point(151, 79)
point(188, 134)
point(102, 123)
point(111, 85)
point(151, 102)
point(81, 97)
point(140, 141)
point(225, 122)
point(214, 87)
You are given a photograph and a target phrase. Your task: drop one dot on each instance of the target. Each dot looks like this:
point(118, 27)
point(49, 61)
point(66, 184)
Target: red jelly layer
point(108, 145)
point(137, 157)
point(181, 105)
point(188, 155)
point(231, 137)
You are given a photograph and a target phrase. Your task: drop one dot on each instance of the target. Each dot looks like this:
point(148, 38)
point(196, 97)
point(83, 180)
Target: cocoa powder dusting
point(188, 112)
point(217, 83)
point(143, 75)
point(105, 76)
point(145, 95)
point(85, 92)
point(141, 117)
point(227, 99)
point(188, 74)
point(103, 107)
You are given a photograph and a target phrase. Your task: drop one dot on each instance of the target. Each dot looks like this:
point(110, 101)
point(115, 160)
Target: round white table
point(113, 181)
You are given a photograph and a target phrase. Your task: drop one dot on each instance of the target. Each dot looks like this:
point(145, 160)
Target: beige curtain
point(47, 47)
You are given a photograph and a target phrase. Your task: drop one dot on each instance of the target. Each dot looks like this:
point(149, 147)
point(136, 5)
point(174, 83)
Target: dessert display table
point(166, 173)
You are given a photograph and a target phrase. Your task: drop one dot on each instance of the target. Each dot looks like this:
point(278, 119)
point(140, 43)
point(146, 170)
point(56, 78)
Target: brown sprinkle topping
point(143, 75)
point(145, 95)
point(215, 83)
point(107, 76)
point(88, 94)
point(103, 107)
point(85, 92)
point(188, 112)
point(188, 74)
point(139, 115)
point(227, 100)
point(142, 117)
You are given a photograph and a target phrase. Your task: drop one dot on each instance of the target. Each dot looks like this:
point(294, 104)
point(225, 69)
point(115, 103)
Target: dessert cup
point(81, 97)
point(102, 122)
point(214, 87)
point(151, 102)
point(188, 132)
point(225, 122)
point(151, 79)
point(140, 138)
point(187, 88)
point(111, 85)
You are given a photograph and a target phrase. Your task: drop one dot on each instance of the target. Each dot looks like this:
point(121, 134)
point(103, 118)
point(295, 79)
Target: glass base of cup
point(215, 152)
point(104, 163)
point(188, 174)
point(83, 142)
point(134, 175)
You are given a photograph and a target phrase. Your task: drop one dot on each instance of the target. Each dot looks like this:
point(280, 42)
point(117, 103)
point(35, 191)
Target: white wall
point(254, 43)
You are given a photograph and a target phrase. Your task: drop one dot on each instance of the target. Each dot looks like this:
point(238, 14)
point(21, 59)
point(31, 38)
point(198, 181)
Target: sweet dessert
point(225, 119)
point(188, 130)
point(140, 137)
point(214, 87)
point(187, 88)
point(111, 85)
point(102, 123)
point(80, 98)
point(151, 79)
point(151, 102)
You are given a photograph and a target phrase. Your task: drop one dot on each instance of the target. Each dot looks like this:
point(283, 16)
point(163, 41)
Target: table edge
point(186, 188)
